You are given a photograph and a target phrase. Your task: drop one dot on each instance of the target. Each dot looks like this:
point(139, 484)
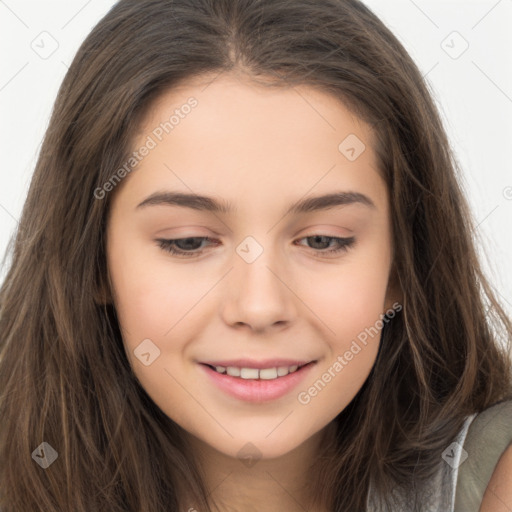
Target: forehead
point(237, 102)
point(242, 135)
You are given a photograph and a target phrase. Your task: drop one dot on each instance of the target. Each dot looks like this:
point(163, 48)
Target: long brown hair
point(64, 377)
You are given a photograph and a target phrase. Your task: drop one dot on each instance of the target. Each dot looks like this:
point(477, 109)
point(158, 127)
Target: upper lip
point(252, 363)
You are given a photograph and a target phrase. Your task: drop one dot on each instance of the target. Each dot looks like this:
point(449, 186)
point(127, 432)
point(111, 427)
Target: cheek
point(349, 299)
point(148, 306)
point(150, 295)
point(352, 312)
point(335, 384)
point(350, 302)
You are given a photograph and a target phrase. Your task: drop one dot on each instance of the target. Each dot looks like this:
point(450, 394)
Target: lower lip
point(258, 390)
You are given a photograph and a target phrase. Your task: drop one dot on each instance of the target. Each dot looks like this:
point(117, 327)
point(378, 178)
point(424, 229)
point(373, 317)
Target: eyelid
point(345, 243)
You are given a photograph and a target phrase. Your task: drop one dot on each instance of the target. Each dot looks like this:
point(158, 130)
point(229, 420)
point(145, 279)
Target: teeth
point(269, 373)
point(255, 373)
point(282, 370)
point(233, 371)
point(249, 373)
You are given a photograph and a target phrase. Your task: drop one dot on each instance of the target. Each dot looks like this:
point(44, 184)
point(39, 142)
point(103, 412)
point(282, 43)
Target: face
point(259, 286)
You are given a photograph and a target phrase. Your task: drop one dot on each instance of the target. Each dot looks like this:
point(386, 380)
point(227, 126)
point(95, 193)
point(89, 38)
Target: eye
point(189, 244)
point(342, 244)
point(189, 247)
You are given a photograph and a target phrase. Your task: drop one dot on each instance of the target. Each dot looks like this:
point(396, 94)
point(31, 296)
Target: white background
point(473, 93)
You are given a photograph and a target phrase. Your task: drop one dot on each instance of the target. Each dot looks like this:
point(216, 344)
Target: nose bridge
point(257, 265)
point(257, 293)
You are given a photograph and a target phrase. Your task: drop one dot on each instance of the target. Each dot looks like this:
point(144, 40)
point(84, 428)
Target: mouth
point(254, 373)
point(257, 384)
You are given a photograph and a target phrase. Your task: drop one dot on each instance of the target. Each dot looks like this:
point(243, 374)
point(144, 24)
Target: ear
point(394, 292)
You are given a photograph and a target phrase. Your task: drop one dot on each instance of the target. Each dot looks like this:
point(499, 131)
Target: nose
point(257, 292)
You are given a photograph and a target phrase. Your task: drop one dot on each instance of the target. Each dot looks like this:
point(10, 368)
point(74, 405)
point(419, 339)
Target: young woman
point(245, 279)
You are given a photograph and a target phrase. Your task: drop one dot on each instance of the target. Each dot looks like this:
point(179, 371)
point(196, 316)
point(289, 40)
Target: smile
point(256, 373)
point(257, 384)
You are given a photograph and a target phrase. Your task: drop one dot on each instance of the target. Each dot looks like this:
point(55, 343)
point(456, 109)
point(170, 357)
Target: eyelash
point(167, 245)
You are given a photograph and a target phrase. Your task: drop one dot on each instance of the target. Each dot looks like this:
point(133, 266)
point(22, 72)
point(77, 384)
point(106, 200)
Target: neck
point(286, 483)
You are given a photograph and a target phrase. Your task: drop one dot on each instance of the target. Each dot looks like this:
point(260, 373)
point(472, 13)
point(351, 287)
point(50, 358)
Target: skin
point(498, 495)
point(262, 149)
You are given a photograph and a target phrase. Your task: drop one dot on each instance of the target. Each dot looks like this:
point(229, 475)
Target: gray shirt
point(468, 464)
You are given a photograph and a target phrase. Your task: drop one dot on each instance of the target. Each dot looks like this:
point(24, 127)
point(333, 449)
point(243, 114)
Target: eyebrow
point(210, 204)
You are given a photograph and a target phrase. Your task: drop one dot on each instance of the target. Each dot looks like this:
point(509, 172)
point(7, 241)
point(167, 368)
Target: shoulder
point(498, 494)
point(484, 480)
